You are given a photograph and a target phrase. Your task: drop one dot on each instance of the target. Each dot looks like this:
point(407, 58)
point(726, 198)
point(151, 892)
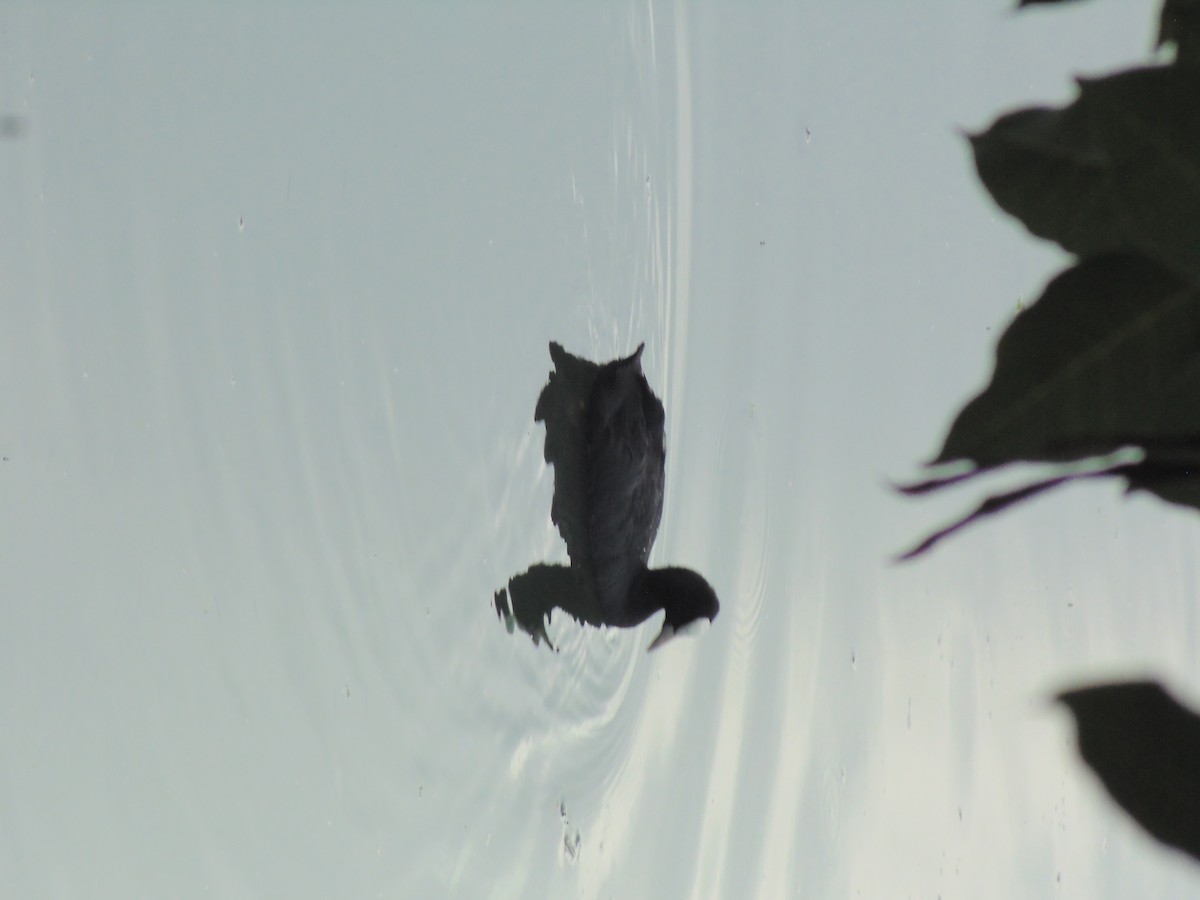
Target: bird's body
point(626, 474)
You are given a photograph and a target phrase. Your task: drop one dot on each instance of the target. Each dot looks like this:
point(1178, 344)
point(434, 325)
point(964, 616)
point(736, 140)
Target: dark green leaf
point(1169, 474)
point(1145, 748)
point(1044, 167)
point(1174, 481)
point(1180, 25)
point(1118, 169)
point(988, 507)
point(1108, 357)
point(935, 484)
point(1148, 122)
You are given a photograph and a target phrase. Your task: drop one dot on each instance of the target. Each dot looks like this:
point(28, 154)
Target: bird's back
point(626, 473)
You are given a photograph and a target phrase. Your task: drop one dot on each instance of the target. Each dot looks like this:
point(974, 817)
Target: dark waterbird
point(605, 439)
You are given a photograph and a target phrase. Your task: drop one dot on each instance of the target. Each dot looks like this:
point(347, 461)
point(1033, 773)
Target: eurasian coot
point(626, 471)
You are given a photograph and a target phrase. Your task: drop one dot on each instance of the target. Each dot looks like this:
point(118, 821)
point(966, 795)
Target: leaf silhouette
point(1109, 356)
point(1147, 122)
point(1145, 748)
point(1100, 378)
point(1180, 25)
point(1118, 169)
point(1044, 167)
point(990, 507)
point(1107, 359)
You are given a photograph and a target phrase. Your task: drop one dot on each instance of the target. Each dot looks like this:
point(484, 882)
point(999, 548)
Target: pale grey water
point(277, 291)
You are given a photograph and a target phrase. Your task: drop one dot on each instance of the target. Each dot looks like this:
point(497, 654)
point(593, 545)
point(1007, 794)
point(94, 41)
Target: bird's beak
point(663, 636)
point(698, 626)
